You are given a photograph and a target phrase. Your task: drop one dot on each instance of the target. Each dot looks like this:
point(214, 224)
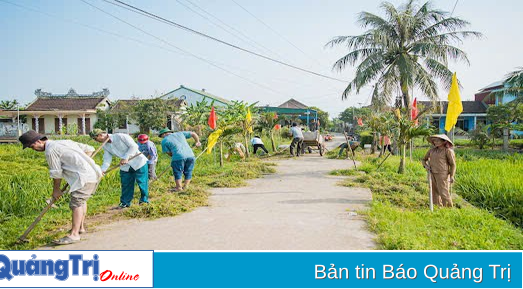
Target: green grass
point(25, 185)
point(401, 219)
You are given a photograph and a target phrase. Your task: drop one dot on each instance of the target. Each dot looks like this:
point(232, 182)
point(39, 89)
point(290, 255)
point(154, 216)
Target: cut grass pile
point(25, 185)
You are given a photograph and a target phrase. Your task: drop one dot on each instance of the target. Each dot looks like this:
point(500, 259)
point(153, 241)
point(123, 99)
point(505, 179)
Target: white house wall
point(49, 122)
point(191, 97)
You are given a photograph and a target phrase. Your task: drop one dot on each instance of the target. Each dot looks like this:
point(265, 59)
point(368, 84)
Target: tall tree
point(151, 113)
point(407, 48)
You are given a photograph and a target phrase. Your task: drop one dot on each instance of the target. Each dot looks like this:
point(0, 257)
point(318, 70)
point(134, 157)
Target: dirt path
point(298, 208)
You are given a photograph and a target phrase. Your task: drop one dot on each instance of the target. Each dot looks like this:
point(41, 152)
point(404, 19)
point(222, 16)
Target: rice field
point(488, 203)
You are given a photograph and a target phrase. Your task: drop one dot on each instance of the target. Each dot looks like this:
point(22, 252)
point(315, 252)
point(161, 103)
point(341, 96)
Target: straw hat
point(441, 136)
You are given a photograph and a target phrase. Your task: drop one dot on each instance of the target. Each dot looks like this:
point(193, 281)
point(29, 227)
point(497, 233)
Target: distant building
point(191, 96)
point(292, 110)
point(474, 112)
point(54, 113)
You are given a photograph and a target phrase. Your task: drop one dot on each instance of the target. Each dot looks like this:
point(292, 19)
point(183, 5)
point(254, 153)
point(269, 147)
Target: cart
point(312, 140)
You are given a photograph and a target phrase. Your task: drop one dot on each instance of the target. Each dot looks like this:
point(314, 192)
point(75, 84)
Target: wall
point(190, 96)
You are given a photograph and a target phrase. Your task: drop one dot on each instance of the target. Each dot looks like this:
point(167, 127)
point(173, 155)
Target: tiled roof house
point(55, 113)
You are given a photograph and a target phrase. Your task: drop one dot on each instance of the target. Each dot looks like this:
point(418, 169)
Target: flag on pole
point(397, 113)
point(414, 111)
point(248, 120)
point(213, 139)
point(360, 122)
point(212, 119)
point(455, 106)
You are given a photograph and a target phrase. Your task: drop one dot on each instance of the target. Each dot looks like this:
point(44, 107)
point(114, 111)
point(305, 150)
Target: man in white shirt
point(297, 139)
point(71, 161)
point(257, 143)
point(123, 147)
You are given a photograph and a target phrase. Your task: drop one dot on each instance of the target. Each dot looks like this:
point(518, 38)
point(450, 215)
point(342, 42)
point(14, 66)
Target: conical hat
point(441, 136)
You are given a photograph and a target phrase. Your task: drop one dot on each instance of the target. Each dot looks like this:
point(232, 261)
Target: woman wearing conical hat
point(441, 162)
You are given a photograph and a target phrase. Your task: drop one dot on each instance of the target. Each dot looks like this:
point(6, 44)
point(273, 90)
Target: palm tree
point(408, 48)
point(515, 80)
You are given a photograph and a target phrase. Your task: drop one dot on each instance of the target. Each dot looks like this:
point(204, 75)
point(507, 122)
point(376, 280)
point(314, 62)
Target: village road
point(298, 208)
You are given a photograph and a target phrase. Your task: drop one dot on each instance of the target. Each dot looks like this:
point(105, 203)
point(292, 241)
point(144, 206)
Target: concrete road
point(298, 208)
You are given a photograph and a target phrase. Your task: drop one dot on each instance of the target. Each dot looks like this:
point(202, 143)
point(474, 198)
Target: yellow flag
point(248, 120)
point(455, 106)
point(213, 139)
point(397, 112)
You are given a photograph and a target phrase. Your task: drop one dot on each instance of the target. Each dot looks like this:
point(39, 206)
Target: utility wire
point(241, 36)
point(156, 17)
point(56, 17)
point(455, 4)
point(91, 27)
point(180, 49)
point(276, 32)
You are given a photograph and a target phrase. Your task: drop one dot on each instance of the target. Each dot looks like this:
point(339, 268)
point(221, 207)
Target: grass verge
point(401, 219)
point(25, 185)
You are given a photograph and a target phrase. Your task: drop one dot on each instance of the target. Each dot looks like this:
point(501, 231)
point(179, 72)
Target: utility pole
point(18, 118)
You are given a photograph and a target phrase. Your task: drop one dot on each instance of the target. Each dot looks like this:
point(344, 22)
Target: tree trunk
point(221, 153)
point(374, 143)
point(247, 154)
point(273, 143)
point(505, 139)
point(405, 95)
point(401, 169)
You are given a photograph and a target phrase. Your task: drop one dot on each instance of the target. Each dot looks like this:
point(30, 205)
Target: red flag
point(414, 111)
point(360, 122)
point(212, 119)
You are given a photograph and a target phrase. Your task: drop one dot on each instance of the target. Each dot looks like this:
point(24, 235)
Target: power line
point(276, 32)
point(156, 17)
point(89, 26)
point(55, 17)
point(243, 36)
point(187, 52)
point(454, 8)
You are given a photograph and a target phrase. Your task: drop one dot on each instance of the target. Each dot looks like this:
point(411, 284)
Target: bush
point(365, 138)
point(479, 136)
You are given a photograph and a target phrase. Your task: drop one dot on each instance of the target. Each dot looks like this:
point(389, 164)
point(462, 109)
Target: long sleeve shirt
point(68, 160)
point(122, 146)
point(148, 149)
point(441, 161)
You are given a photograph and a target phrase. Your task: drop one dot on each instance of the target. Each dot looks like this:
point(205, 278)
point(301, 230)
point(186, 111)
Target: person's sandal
point(65, 241)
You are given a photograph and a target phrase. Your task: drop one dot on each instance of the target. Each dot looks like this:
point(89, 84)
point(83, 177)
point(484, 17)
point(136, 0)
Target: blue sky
point(56, 54)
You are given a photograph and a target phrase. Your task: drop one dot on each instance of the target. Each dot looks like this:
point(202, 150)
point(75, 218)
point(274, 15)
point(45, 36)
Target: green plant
point(479, 136)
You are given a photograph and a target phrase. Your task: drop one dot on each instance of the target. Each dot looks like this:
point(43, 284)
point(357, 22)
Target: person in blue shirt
point(148, 149)
point(182, 157)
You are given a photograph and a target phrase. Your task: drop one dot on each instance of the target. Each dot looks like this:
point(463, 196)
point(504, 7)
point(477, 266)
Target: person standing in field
point(297, 140)
point(440, 161)
point(148, 149)
point(182, 157)
point(71, 161)
point(123, 147)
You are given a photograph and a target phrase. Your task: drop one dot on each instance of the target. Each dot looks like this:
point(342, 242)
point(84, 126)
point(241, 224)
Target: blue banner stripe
point(337, 269)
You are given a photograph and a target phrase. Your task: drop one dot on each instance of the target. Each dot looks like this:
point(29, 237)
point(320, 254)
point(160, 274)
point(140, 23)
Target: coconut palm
point(407, 48)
